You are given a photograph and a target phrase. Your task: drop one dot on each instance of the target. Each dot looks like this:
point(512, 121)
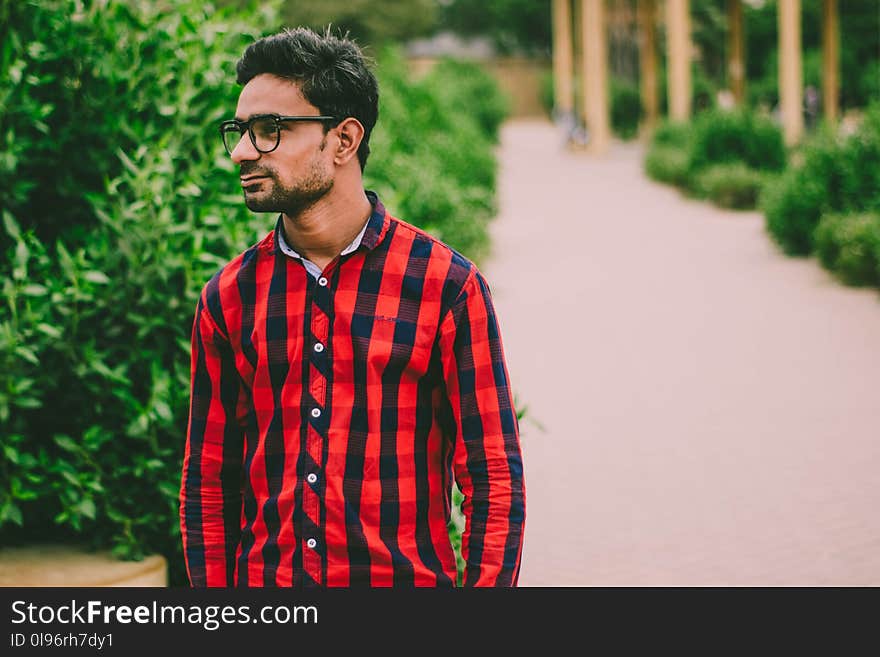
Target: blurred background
point(677, 204)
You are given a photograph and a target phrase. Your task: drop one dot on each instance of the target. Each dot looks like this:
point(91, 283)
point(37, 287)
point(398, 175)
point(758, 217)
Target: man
point(344, 369)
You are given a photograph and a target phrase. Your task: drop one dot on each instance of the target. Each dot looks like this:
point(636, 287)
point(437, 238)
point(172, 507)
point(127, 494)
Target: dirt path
point(712, 407)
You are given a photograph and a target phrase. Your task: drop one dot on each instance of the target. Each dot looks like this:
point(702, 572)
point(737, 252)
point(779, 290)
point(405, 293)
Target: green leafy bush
point(725, 136)
point(470, 93)
point(667, 158)
point(869, 82)
point(733, 185)
point(722, 155)
point(432, 156)
point(849, 246)
point(100, 295)
point(667, 164)
point(56, 100)
point(116, 213)
point(829, 174)
point(672, 133)
point(704, 90)
point(863, 153)
point(792, 206)
point(626, 108)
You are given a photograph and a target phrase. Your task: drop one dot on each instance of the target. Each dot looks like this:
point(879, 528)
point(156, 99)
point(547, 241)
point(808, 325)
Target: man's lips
point(251, 180)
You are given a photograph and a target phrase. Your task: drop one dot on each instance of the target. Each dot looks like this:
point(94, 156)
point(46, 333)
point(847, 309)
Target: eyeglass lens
point(263, 133)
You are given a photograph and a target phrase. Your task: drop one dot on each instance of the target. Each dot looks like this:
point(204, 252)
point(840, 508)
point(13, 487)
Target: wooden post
point(648, 57)
point(595, 75)
point(791, 85)
point(736, 51)
point(577, 12)
point(830, 60)
point(563, 60)
point(678, 39)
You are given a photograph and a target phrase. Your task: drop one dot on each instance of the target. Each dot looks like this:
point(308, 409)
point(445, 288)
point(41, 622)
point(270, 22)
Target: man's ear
point(351, 132)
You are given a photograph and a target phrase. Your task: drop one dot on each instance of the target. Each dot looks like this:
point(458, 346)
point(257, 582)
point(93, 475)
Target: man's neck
point(322, 231)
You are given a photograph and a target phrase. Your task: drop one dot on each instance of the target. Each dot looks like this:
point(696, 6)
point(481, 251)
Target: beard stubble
point(294, 200)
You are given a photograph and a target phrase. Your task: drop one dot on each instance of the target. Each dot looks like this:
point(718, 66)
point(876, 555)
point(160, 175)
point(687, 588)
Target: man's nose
point(244, 150)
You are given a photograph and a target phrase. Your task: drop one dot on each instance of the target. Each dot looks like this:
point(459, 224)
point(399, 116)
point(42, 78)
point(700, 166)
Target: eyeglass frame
point(241, 126)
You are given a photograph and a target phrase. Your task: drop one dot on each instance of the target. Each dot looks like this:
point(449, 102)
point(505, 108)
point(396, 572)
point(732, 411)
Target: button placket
point(318, 417)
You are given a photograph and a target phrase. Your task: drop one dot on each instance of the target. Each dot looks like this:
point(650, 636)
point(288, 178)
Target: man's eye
point(264, 128)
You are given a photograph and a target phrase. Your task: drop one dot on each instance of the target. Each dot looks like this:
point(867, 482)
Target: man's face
point(297, 173)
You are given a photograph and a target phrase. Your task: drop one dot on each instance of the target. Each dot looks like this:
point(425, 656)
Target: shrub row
point(103, 271)
point(828, 202)
point(849, 246)
point(830, 173)
point(119, 206)
point(725, 156)
point(432, 150)
point(668, 155)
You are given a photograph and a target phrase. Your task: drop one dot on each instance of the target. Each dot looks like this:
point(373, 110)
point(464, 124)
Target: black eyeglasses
point(264, 130)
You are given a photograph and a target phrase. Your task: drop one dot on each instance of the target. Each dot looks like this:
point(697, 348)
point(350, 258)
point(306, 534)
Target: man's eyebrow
point(254, 115)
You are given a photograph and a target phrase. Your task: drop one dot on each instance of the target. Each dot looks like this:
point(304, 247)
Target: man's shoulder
point(458, 268)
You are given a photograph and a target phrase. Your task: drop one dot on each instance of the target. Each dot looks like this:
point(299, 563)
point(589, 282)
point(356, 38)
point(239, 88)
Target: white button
point(311, 543)
point(316, 412)
point(312, 477)
point(322, 282)
point(319, 347)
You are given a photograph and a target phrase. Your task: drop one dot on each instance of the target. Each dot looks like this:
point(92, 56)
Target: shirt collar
point(371, 234)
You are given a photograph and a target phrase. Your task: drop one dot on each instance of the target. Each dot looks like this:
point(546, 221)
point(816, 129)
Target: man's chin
point(256, 204)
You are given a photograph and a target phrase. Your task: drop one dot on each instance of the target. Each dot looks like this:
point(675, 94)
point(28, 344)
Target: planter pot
point(58, 565)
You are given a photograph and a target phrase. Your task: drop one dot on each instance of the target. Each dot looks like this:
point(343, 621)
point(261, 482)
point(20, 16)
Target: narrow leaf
point(66, 443)
point(49, 330)
point(10, 225)
point(96, 277)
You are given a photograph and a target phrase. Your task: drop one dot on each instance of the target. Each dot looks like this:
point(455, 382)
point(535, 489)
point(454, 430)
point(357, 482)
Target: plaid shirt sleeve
point(210, 496)
point(487, 461)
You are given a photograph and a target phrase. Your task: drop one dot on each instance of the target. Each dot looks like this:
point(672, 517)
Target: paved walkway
point(712, 407)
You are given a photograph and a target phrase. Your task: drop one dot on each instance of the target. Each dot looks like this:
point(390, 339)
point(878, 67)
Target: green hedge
point(667, 159)
point(667, 165)
point(830, 173)
point(469, 93)
point(792, 206)
point(849, 246)
point(117, 211)
point(725, 156)
point(58, 101)
point(432, 152)
point(734, 185)
point(725, 136)
point(104, 275)
point(626, 108)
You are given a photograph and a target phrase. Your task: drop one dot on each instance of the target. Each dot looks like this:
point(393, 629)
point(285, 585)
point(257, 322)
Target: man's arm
point(487, 460)
point(210, 492)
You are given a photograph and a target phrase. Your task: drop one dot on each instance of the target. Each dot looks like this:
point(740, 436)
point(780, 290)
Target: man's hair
point(331, 73)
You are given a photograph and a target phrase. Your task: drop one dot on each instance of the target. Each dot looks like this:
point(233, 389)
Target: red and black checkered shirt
point(329, 417)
